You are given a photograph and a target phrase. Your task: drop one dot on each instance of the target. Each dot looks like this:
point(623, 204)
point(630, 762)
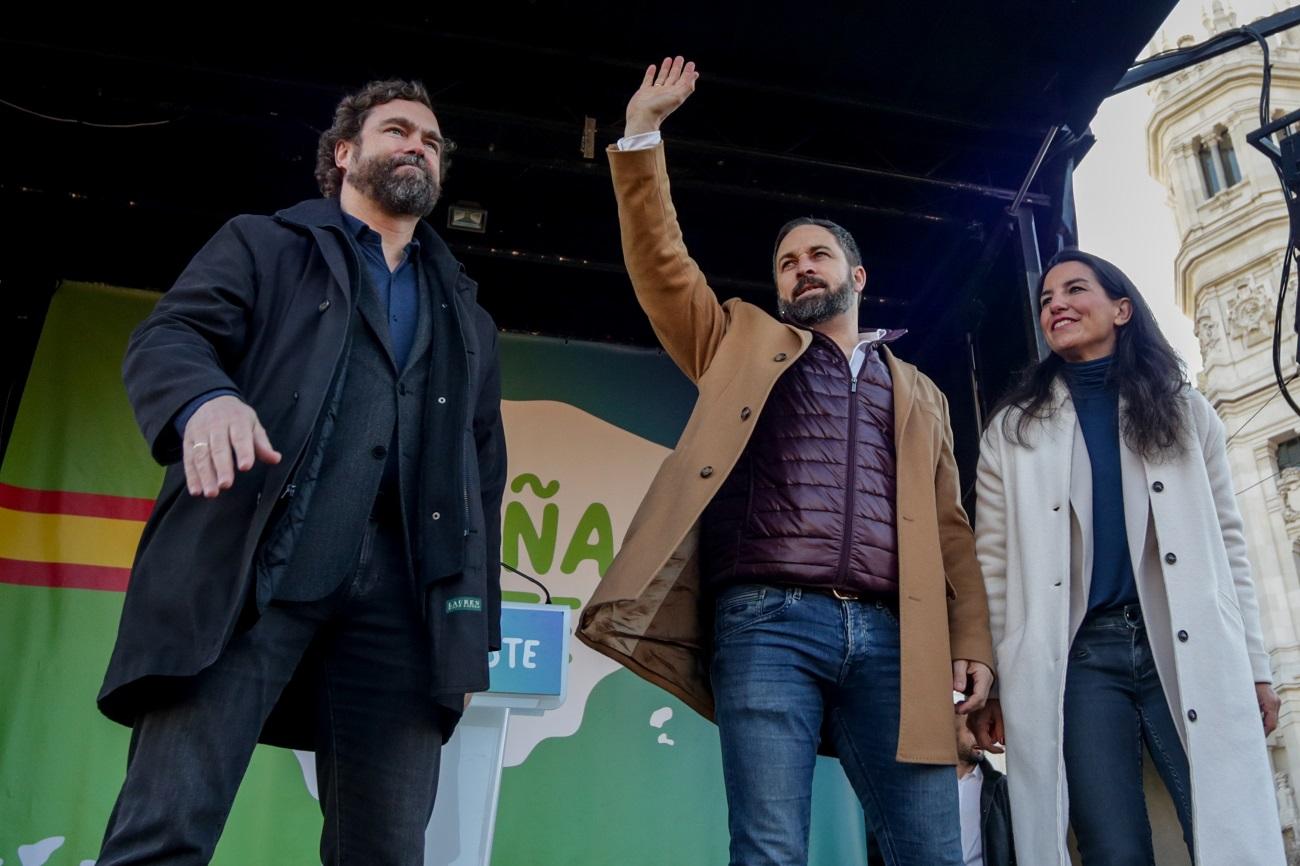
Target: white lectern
point(529, 675)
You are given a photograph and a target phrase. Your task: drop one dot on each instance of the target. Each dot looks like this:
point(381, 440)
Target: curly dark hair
point(350, 116)
point(1149, 374)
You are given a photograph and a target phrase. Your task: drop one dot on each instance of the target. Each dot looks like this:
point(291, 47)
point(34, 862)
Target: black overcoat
point(264, 309)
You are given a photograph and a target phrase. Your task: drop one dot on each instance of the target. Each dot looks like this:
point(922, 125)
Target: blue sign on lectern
point(528, 675)
point(533, 659)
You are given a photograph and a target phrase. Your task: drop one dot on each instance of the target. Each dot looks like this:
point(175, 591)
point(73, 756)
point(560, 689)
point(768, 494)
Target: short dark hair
point(839, 232)
point(350, 115)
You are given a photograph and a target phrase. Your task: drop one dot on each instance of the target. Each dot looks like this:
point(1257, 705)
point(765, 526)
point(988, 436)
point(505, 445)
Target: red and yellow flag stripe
point(69, 540)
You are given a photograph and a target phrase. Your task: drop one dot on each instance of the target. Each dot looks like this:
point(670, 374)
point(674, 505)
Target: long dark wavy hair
point(1149, 374)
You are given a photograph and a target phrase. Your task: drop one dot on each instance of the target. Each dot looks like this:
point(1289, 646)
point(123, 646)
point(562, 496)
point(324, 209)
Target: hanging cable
point(77, 122)
point(1255, 414)
point(514, 570)
point(1257, 483)
point(1261, 139)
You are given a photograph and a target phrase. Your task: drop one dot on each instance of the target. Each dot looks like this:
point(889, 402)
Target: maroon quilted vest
point(811, 502)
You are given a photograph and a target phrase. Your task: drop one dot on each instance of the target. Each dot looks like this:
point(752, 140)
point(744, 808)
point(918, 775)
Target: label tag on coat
point(463, 603)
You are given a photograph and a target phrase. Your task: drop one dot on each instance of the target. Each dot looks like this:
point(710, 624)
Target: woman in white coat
point(1120, 597)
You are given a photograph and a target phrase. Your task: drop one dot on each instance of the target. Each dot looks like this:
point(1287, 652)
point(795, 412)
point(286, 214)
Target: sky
point(1123, 213)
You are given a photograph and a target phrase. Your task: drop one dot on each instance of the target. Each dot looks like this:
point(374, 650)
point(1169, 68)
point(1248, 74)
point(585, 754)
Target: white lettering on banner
point(526, 659)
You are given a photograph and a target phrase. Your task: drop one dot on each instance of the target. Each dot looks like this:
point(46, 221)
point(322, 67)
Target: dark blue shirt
point(1097, 404)
point(399, 290)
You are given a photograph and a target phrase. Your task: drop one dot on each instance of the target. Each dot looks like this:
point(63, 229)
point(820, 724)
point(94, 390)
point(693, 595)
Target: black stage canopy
point(941, 134)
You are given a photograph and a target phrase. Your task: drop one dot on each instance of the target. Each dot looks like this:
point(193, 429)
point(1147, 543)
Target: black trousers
point(378, 739)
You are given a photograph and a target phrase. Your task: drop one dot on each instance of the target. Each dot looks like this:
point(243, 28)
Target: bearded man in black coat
point(321, 568)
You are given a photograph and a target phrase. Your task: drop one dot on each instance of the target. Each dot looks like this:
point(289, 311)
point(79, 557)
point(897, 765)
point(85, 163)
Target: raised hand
point(662, 92)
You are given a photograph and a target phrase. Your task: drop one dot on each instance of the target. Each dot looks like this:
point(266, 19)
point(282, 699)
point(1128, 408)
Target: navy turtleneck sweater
point(1097, 404)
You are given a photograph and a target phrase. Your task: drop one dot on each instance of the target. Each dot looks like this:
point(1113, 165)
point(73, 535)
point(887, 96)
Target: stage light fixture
point(467, 216)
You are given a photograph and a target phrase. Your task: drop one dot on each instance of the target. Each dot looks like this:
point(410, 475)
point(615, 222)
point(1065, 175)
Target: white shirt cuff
point(644, 141)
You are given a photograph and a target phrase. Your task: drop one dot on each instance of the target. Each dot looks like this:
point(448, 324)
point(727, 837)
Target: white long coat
point(1189, 558)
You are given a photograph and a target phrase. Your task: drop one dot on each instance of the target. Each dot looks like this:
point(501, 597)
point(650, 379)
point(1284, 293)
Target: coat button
point(295, 395)
point(706, 471)
point(1191, 715)
point(325, 305)
point(436, 515)
point(442, 400)
point(1182, 635)
point(1170, 558)
point(1158, 486)
point(379, 451)
point(744, 413)
point(780, 356)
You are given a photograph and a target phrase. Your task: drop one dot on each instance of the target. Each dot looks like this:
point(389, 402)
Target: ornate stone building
point(1233, 230)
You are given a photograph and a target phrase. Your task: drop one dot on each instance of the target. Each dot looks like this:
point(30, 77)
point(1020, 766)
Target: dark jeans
point(786, 661)
point(377, 728)
point(1114, 704)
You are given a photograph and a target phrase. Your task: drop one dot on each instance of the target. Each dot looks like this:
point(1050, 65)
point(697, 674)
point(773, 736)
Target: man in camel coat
point(801, 569)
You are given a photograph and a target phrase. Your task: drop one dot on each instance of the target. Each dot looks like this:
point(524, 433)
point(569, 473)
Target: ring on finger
point(198, 445)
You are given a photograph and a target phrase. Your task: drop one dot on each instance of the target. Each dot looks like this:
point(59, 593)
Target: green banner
point(621, 774)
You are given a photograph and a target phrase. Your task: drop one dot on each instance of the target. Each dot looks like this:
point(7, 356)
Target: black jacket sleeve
point(195, 334)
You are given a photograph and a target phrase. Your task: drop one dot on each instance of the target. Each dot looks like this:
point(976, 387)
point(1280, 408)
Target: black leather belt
point(844, 594)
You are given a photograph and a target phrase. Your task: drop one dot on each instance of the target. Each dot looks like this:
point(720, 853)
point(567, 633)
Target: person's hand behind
point(973, 679)
point(986, 724)
point(1269, 706)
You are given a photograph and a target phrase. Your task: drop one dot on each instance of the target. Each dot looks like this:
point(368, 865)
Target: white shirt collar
point(860, 351)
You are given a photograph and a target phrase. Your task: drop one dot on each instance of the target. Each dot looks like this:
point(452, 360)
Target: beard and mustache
point(402, 193)
point(809, 311)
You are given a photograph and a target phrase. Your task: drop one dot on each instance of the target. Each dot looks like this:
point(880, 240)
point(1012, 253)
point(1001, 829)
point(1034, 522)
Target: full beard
point(809, 311)
point(402, 193)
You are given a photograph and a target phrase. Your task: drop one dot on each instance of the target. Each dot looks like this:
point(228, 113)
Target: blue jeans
point(788, 663)
point(1113, 704)
point(378, 731)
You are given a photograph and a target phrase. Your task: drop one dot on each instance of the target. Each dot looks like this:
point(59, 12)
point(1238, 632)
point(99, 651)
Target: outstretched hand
point(223, 436)
point(662, 91)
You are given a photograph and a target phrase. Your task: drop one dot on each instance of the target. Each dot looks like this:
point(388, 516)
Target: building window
point(1288, 454)
point(1209, 175)
point(1227, 157)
